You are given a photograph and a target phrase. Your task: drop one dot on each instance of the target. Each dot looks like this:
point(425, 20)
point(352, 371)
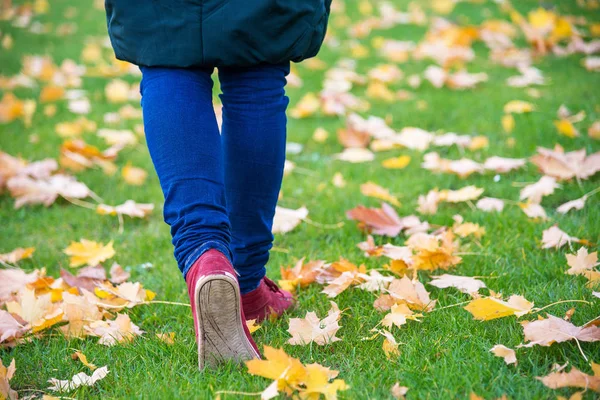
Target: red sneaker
point(266, 300)
point(221, 330)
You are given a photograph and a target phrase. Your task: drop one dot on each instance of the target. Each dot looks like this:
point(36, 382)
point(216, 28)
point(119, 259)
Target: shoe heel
point(221, 333)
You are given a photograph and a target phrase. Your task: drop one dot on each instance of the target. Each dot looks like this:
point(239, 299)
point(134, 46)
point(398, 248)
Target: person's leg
point(185, 146)
point(253, 137)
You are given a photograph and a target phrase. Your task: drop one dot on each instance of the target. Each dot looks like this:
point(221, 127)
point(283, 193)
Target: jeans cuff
point(198, 251)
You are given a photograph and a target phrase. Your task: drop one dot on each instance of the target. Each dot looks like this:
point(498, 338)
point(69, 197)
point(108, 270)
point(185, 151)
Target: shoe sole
point(220, 329)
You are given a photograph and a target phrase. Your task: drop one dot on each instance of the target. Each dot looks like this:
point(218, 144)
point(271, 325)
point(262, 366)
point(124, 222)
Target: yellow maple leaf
point(88, 252)
point(396, 162)
point(518, 107)
point(566, 128)
point(487, 308)
point(134, 175)
point(373, 190)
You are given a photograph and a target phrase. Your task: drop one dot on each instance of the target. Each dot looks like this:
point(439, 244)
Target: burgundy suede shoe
point(266, 300)
point(221, 330)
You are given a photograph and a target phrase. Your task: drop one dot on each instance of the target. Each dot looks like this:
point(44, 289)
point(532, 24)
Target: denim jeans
point(220, 188)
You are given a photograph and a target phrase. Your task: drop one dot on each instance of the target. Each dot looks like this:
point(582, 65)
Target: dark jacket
point(215, 33)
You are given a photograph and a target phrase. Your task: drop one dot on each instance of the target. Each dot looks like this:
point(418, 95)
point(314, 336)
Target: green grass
point(444, 356)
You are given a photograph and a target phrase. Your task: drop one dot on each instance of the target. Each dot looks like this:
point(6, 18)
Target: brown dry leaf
point(380, 221)
point(465, 284)
point(390, 345)
point(38, 311)
point(131, 292)
point(88, 252)
point(502, 164)
point(302, 274)
point(464, 229)
point(398, 392)
point(119, 330)
point(594, 130)
point(374, 281)
point(509, 355)
point(573, 378)
point(370, 248)
point(287, 219)
point(563, 166)
point(118, 274)
point(134, 175)
point(433, 251)
point(534, 192)
point(87, 278)
point(577, 204)
point(355, 155)
point(554, 237)
point(17, 255)
point(13, 280)
point(544, 332)
point(464, 194)
point(581, 262)
point(341, 283)
point(487, 308)
point(10, 328)
point(129, 208)
point(533, 210)
point(77, 155)
point(6, 374)
point(29, 191)
point(79, 311)
point(373, 190)
point(398, 315)
point(490, 204)
point(412, 293)
point(81, 379)
point(311, 328)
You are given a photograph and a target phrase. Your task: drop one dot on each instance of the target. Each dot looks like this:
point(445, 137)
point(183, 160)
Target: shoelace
point(272, 285)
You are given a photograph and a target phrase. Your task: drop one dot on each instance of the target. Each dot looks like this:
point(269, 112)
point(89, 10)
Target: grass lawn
point(446, 355)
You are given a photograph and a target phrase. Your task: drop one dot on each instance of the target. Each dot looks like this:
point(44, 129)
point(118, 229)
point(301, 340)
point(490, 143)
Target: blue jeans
point(220, 188)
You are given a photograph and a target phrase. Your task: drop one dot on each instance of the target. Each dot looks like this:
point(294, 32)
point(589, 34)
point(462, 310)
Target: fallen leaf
point(129, 208)
point(17, 255)
point(573, 378)
point(81, 357)
point(118, 274)
point(563, 166)
point(169, 337)
point(581, 262)
point(381, 221)
point(465, 284)
point(119, 330)
point(134, 175)
point(509, 355)
point(534, 192)
point(490, 204)
point(412, 293)
point(577, 204)
point(554, 237)
point(287, 219)
point(355, 155)
point(518, 107)
point(81, 379)
point(487, 308)
point(398, 392)
point(88, 252)
point(6, 374)
point(311, 329)
point(398, 315)
point(13, 280)
point(26, 190)
point(545, 332)
point(10, 328)
point(396, 162)
point(373, 190)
